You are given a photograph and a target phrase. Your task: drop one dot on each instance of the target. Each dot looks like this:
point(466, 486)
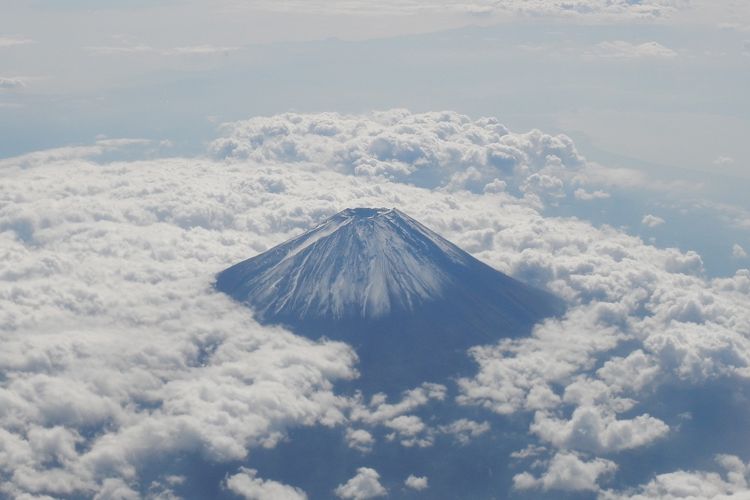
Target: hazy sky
point(661, 81)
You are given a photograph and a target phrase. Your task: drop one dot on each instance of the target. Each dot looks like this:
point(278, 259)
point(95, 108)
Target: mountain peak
point(410, 301)
point(366, 213)
point(361, 262)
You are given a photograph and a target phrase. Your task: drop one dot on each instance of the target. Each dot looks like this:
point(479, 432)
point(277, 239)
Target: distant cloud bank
point(588, 8)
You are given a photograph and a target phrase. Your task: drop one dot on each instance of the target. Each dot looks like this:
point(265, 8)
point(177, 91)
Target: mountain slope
point(408, 300)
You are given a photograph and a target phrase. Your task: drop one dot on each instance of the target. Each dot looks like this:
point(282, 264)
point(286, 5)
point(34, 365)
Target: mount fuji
point(409, 301)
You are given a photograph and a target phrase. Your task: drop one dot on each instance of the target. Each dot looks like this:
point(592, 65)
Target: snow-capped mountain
point(402, 295)
point(363, 263)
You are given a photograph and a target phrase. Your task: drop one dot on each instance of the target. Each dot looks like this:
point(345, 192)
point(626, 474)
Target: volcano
point(408, 300)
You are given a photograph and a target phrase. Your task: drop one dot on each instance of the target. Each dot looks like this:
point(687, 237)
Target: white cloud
point(574, 8)
point(48, 156)
point(652, 220)
point(247, 485)
point(694, 484)
point(738, 252)
point(591, 429)
point(443, 150)
point(12, 41)
point(431, 149)
point(568, 472)
point(723, 161)
point(135, 48)
point(364, 485)
point(620, 49)
point(409, 429)
point(583, 195)
point(147, 354)
point(116, 488)
point(378, 410)
point(122, 49)
point(465, 430)
point(360, 439)
point(10, 83)
point(418, 483)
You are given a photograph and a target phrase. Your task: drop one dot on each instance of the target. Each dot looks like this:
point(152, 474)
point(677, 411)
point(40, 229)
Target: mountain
point(409, 301)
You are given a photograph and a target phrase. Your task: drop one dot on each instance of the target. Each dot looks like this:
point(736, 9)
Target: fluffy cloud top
point(652, 220)
point(360, 439)
point(732, 484)
point(246, 485)
point(567, 472)
point(430, 150)
point(738, 252)
point(418, 483)
point(364, 485)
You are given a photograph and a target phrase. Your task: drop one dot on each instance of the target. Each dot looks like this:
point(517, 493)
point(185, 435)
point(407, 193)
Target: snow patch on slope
point(361, 262)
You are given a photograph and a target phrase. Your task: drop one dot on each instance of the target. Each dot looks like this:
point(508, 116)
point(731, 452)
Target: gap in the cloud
point(685, 227)
point(704, 420)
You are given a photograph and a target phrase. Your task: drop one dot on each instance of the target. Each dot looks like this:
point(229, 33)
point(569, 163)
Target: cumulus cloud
point(738, 252)
point(723, 161)
point(398, 418)
point(567, 472)
point(620, 49)
point(246, 485)
point(430, 150)
point(365, 484)
point(117, 351)
point(418, 483)
point(732, 484)
point(465, 430)
point(360, 440)
point(591, 429)
point(582, 194)
point(650, 220)
point(687, 334)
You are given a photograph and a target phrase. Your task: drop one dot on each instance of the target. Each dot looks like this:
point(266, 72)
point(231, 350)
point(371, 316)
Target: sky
point(593, 148)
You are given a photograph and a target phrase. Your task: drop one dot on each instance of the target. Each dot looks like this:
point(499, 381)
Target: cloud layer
point(587, 8)
point(432, 150)
point(117, 353)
